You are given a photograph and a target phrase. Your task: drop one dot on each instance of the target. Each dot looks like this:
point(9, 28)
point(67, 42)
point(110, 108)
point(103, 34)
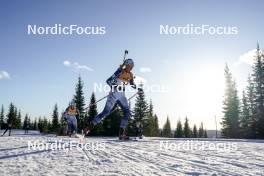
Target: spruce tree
point(150, 128)
point(15, 121)
point(258, 79)
point(245, 117)
point(91, 114)
point(186, 129)
point(80, 103)
point(19, 118)
point(26, 122)
point(45, 125)
point(112, 122)
point(35, 125)
point(230, 121)
point(195, 133)
point(2, 117)
point(201, 131)
point(178, 132)
point(55, 119)
point(156, 131)
point(205, 134)
point(11, 115)
point(141, 110)
point(166, 132)
point(40, 125)
point(250, 95)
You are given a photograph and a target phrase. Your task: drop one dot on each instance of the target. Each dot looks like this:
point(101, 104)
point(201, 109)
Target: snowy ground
point(144, 157)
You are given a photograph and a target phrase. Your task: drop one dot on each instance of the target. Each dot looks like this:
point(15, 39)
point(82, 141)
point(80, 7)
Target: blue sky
point(185, 63)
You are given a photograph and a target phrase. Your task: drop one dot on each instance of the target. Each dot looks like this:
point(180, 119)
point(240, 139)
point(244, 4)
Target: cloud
point(248, 57)
point(76, 66)
point(145, 70)
point(4, 75)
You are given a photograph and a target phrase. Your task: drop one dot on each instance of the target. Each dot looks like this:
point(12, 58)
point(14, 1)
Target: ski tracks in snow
point(143, 157)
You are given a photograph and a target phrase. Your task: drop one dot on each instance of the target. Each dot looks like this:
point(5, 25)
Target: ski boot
point(88, 129)
point(123, 134)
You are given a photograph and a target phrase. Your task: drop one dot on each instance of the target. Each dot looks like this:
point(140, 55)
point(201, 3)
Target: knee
point(126, 113)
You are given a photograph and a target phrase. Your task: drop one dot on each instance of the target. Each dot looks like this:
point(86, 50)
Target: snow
point(142, 157)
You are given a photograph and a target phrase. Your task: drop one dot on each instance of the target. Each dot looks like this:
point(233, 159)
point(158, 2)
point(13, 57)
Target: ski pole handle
point(126, 53)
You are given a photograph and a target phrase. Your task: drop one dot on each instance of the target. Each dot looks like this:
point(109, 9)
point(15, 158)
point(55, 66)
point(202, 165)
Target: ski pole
point(97, 101)
point(132, 96)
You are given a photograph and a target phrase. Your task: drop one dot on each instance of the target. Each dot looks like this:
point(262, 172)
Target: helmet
point(129, 62)
point(72, 103)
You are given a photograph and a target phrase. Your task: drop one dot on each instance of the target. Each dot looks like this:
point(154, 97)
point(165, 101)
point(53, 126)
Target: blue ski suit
point(70, 115)
point(117, 83)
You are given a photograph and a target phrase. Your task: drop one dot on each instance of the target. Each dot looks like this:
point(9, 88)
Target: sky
point(37, 71)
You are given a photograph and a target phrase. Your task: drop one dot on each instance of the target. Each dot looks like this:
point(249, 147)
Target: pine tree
point(201, 131)
point(186, 129)
point(178, 132)
point(40, 125)
point(166, 132)
point(150, 128)
point(141, 110)
point(15, 121)
point(26, 121)
point(250, 95)
point(35, 125)
point(11, 115)
point(195, 133)
point(205, 134)
point(230, 121)
point(156, 131)
point(258, 79)
point(19, 118)
point(245, 117)
point(2, 117)
point(91, 114)
point(112, 122)
point(80, 103)
point(55, 119)
point(45, 125)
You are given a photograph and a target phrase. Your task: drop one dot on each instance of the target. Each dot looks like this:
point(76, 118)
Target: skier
point(70, 115)
point(26, 128)
point(8, 127)
point(117, 82)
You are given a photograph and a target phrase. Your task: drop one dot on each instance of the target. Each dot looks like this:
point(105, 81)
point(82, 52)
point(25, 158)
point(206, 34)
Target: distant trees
point(166, 131)
point(2, 116)
point(186, 131)
point(178, 132)
point(55, 120)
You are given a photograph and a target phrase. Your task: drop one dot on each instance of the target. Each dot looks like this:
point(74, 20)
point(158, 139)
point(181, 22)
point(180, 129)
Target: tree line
point(244, 118)
point(184, 130)
point(142, 113)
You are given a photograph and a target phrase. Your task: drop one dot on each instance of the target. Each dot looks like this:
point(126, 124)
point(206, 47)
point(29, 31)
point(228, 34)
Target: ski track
point(120, 158)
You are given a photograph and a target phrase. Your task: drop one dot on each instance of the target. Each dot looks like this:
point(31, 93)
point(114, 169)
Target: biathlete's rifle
point(125, 55)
